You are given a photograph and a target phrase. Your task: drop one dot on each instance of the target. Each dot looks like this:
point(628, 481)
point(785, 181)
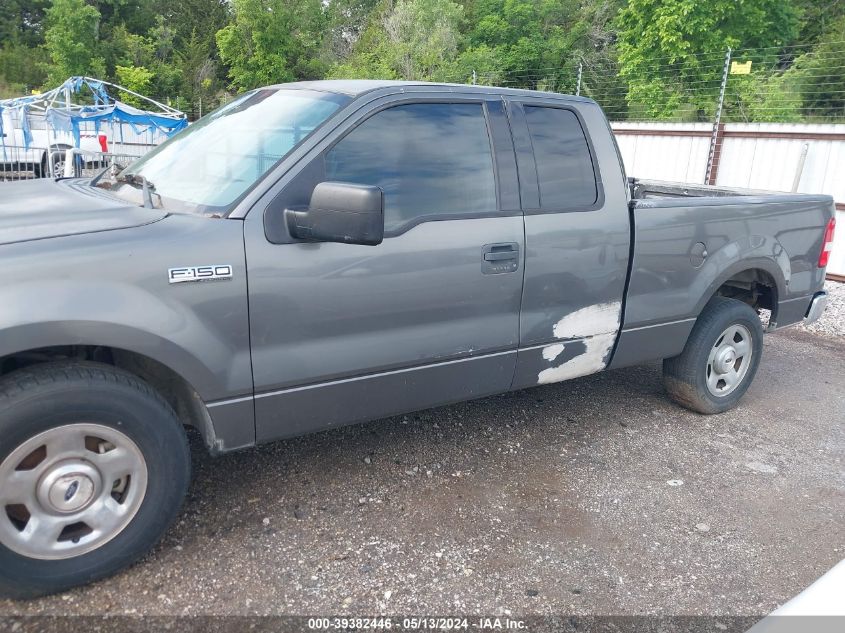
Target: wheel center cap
point(69, 486)
point(725, 360)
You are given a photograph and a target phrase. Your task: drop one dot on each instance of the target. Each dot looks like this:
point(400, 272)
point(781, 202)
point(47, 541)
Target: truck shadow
point(401, 460)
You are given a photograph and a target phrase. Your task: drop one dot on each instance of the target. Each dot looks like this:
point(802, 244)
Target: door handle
point(500, 258)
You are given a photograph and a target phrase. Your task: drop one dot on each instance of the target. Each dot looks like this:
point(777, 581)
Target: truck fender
point(121, 316)
point(755, 252)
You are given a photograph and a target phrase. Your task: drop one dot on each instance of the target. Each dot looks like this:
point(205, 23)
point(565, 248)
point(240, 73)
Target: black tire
point(44, 397)
point(686, 375)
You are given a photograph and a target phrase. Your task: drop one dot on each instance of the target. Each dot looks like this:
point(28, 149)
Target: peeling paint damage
point(596, 326)
point(550, 352)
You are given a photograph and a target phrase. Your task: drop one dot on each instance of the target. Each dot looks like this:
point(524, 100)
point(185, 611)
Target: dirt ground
point(596, 496)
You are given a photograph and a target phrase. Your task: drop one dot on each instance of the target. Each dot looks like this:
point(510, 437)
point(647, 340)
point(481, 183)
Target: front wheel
point(94, 466)
point(719, 360)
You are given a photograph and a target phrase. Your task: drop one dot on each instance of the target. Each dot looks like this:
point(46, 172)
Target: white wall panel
point(836, 265)
point(763, 162)
point(664, 156)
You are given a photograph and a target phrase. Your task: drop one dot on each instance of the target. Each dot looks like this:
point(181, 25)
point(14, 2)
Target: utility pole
point(578, 85)
point(716, 137)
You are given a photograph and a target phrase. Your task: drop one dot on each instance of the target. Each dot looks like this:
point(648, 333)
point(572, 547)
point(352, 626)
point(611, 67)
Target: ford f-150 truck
point(318, 254)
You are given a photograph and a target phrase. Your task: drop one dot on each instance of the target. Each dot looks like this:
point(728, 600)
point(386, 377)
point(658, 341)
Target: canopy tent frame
point(44, 100)
point(63, 114)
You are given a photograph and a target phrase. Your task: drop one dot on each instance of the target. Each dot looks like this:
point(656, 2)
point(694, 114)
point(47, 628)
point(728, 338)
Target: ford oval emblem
point(71, 490)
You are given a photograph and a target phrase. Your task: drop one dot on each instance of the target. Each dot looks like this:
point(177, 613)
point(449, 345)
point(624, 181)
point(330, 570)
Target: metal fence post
point(799, 171)
point(716, 137)
point(578, 85)
point(70, 161)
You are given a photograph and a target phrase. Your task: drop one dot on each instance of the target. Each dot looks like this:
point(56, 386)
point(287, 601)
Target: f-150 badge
point(199, 273)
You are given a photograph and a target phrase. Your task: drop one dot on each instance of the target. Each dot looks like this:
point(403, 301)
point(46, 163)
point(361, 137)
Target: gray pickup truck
point(317, 254)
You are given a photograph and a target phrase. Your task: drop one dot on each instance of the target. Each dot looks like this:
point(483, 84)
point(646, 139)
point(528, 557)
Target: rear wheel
point(93, 468)
point(57, 159)
point(719, 360)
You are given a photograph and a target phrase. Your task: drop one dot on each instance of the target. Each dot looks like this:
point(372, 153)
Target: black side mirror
point(340, 212)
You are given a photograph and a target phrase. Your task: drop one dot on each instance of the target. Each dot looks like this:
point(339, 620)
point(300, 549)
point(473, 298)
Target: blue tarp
point(105, 108)
point(61, 119)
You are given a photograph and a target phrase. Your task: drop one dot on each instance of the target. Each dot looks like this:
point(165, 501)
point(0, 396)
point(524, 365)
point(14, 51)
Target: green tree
point(200, 83)
point(481, 63)
point(640, 58)
point(412, 39)
point(539, 43)
point(135, 78)
point(820, 74)
point(23, 58)
point(367, 54)
point(818, 19)
point(768, 96)
point(71, 39)
point(21, 69)
point(670, 51)
point(21, 22)
point(422, 35)
point(271, 41)
point(348, 20)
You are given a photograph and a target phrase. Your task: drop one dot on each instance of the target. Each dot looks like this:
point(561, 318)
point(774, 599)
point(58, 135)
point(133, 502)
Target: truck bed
point(693, 241)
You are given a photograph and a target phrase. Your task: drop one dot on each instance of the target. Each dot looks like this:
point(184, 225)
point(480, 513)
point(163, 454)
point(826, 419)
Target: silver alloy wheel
point(69, 490)
point(58, 168)
point(729, 360)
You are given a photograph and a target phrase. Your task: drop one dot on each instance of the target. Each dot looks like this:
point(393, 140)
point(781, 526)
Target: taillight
point(827, 245)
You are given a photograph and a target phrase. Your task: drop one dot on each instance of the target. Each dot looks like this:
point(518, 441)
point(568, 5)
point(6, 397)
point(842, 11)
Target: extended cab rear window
point(565, 171)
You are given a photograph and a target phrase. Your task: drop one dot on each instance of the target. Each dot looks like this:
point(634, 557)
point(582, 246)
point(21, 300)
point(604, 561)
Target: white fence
point(27, 163)
point(808, 158)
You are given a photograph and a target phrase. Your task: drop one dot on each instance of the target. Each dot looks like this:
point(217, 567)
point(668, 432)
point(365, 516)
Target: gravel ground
point(832, 322)
point(596, 496)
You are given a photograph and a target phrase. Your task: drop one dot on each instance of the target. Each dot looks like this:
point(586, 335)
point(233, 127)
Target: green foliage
point(819, 76)
point(540, 43)
point(422, 36)
point(23, 68)
point(670, 50)
point(200, 81)
point(810, 87)
point(413, 39)
point(135, 78)
point(347, 21)
point(71, 40)
point(818, 19)
point(640, 58)
point(763, 97)
point(369, 55)
point(21, 22)
point(271, 41)
point(482, 62)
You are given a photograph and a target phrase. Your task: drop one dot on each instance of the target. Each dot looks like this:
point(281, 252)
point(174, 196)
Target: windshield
point(209, 166)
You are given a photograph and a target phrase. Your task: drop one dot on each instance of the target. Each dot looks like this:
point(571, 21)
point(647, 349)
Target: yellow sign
point(741, 69)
